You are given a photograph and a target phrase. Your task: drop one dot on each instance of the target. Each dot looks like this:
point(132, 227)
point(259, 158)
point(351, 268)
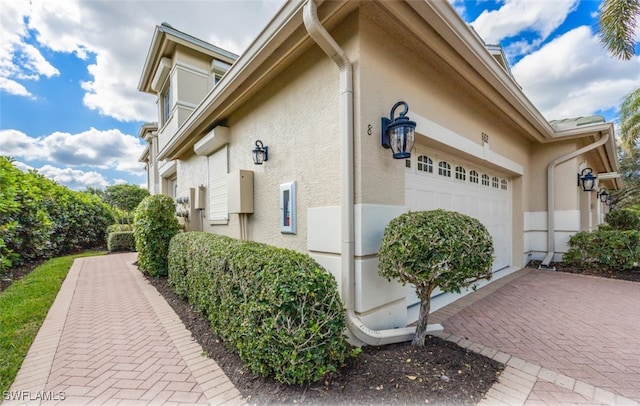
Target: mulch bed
point(632, 274)
point(439, 373)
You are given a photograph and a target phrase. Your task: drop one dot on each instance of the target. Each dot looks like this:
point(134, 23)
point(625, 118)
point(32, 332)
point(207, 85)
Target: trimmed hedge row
point(121, 241)
point(614, 249)
point(41, 219)
point(277, 308)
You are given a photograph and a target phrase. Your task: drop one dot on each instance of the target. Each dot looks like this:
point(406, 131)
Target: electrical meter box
point(199, 199)
point(240, 191)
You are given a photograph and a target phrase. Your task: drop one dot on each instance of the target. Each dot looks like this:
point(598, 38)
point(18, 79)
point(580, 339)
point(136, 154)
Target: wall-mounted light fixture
point(260, 153)
point(588, 180)
point(398, 133)
point(603, 195)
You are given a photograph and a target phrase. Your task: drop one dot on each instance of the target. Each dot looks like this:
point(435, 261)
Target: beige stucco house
point(313, 88)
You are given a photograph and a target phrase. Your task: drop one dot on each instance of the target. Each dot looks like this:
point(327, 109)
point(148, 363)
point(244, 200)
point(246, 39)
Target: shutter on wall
point(218, 210)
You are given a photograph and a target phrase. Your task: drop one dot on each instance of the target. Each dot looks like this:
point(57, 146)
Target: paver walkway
point(110, 338)
point(566, 339)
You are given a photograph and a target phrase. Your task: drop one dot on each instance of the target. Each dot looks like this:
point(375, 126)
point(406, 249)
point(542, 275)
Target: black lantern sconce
point(588, 180)
point(399, 133)
point(603, 195)
point(260, 153)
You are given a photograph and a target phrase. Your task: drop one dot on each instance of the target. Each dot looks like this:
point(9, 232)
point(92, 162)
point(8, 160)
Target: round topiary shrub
point(431, 249)
point(155, 224)
point(623, 220)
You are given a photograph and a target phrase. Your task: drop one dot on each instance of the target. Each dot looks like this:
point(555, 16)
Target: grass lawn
point(23, 308)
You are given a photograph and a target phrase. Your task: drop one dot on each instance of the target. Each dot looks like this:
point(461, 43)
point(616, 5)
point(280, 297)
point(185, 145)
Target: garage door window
point(495, 183)
point(503, 184)
point(425, 164)
point(473, 177)
point(485, 179)
point(444, 169)
point(461, 173)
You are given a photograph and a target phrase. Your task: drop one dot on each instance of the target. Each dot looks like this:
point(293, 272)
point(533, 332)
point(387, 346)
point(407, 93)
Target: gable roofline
point(283, 37)
point(164, 35)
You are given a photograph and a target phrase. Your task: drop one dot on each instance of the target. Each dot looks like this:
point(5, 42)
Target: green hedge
point(41, 219)
point(119, 227)
point(614, 249)
point(623, 219)
point(277, 308)
point(121, 241)
point(154, 225)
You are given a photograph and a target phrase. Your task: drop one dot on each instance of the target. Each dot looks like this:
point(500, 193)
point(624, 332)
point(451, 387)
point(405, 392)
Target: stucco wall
point(297, 116)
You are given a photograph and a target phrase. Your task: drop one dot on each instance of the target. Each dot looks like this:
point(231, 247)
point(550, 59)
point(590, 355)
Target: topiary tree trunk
point(436, 248)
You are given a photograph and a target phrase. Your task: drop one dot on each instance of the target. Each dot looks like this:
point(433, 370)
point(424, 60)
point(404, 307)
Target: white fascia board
point(471, 48)
point(280, 28)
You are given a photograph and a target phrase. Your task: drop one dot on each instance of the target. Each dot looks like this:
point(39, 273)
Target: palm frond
point(617, 26)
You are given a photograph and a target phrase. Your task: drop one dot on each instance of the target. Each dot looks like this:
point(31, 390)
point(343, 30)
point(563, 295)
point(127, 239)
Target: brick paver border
point(36, 367)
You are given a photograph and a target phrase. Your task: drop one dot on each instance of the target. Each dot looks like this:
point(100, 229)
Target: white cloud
point(118, 35)
point(19, 60)
point(573, 76)
point(13, 87)
point(74, 178)
point(518, 16)
point(110, 149)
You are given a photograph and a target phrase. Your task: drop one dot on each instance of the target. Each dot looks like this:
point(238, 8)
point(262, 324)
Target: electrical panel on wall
point(288, 208)
point(240, 187)
point(199, 199)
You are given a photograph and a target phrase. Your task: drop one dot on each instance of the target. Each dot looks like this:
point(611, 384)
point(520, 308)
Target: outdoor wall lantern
point(399, 133)
point(588, 179)
point(603, 195)
point(260, 153)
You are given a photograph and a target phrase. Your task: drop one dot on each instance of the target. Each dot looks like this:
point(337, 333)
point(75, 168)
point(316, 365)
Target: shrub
point(277, 308)
point(623, 219)
point(119, 227)
point(121, 241)
point(432, 249)
point(613, 249)
point(40, 219)
point(154, 226)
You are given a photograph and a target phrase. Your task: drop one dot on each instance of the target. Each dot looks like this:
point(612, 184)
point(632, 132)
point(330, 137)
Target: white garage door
point(437, 181)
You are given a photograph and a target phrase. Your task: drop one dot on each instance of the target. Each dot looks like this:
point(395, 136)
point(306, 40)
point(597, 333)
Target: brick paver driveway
point(583, 327)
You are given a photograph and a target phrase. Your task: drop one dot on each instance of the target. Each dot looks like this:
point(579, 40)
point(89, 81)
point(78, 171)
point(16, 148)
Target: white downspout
point(320, 35)
point(551, 196)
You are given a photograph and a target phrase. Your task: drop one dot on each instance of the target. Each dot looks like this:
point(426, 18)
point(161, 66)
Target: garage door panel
point(488, 204)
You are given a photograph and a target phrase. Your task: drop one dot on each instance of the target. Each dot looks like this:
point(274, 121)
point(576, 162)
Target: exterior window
point(461, 173)
point(219, 68)
point(473, 177)
point(407, 163)
point(425, 164)
point(444, 169)
point(503, 184)
point(485, 179)
point(166, 103)
point(495, 183)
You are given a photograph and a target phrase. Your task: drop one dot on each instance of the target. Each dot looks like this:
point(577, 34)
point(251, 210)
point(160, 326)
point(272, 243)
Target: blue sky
point(69, 105)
